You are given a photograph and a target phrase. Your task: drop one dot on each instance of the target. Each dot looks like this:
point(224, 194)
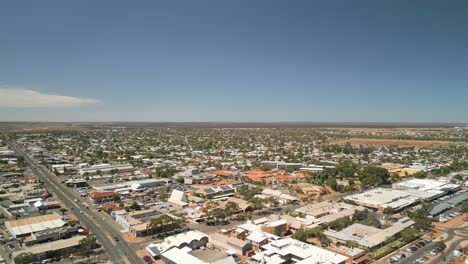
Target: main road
point(118, 251)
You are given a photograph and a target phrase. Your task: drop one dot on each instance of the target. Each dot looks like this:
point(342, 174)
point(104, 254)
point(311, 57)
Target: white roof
point(179, 256)
point(307, 252)
point(178, 197)
point(378, 196)
point(34, 224)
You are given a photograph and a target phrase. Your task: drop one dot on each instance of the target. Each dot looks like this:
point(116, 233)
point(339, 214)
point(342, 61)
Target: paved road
point(105, 234)
point(427, 248)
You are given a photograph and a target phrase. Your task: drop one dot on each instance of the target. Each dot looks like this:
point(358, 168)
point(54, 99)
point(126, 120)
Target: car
point(116, 238)
point(427, 240)
point(413, 249)
point(81, 212)
point(147, 258)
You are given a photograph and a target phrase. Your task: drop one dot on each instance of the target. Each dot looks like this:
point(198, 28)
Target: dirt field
point(390, 142)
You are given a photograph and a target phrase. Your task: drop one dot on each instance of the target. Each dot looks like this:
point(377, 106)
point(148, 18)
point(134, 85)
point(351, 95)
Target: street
point(116, 251)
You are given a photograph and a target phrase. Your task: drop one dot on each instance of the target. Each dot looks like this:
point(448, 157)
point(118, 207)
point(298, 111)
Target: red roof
point(95, 195)
point(114, 207)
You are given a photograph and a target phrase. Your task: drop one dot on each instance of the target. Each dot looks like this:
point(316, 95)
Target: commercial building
point(192, 239)
point(48, 250)
point(133, 185)
point(27, 226)
point(378, 199)
point(426, 189)
point(368, 236)
point(290, 250)
point(106, 169)
point(283, 198)
point(188, 255)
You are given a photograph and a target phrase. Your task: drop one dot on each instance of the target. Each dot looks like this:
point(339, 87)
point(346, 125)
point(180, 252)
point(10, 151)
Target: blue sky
point(353, 61)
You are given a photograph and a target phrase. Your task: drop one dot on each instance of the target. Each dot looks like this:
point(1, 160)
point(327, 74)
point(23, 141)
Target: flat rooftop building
point(380, 198)
point(290, 250)
point(30, 225)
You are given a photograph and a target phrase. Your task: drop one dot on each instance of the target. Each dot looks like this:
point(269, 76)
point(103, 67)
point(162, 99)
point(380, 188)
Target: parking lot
point(418, 252)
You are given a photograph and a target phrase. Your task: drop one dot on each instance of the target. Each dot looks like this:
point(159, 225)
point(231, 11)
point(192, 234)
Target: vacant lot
point(390, 142)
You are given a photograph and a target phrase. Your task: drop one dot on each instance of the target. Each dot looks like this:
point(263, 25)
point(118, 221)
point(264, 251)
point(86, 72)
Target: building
point(146, 183)
point(378, 199)
point(218, 192)
point(355, 255)
point(426, 189)
point(137, 222)
point(279, 165)
point(27, 226)
point(178, 198)
point(239, 246)
point(278, 227)
point(282, 198)
point(52, 234)
point(100, 169)
point(188, 255)
point(48, 250)
point(368, 236)
point(290, 250)
point(101, 197)
point(192, 239)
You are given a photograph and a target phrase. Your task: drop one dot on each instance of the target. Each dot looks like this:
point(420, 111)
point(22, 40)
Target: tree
point(409, 234)
point(464, 208)
point(419, 216)
point(257, 203)
point(25, 258)
point(63, 210)
point(352, 244)
point(231, 208)
point(179, 180)
point(389, 210)
point(163, 196)
point(88, 242)
point(325, 241)
point(135, 206)
point(301, 234)
point(161, 223)
point(440, 246)
point(373, 176)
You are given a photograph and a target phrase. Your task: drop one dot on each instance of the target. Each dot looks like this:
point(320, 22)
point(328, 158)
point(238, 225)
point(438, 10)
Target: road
point(105, 234)
point(427, 248)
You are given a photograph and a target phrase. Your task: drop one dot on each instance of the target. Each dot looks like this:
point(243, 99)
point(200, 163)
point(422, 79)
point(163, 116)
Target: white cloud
point(24, 98)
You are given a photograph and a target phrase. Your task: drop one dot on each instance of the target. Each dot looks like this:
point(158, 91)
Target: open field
point(390, 142)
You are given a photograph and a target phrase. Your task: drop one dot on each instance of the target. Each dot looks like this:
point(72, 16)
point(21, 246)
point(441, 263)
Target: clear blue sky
point(383, 61)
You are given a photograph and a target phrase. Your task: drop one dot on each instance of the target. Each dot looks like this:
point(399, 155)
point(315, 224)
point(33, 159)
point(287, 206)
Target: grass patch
point(387, 249)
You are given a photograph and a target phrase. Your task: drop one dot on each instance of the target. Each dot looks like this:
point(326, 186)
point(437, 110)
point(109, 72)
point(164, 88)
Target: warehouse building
point(27, 226)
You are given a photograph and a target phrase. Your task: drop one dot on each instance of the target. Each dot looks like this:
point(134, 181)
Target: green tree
point(231, 208)
point(88, 243)
point(135, 206)
point(25, 258)
point(163, 196)
point(464, 208)
point(301, 234)
point(179, 180)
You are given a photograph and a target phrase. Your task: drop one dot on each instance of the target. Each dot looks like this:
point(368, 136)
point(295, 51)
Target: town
point(124, 193)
